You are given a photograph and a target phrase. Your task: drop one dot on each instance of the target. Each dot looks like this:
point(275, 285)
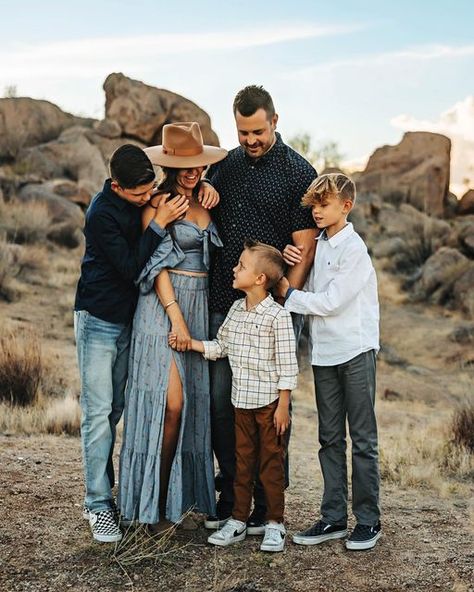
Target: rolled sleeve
point(285, 352)
point(213, 350)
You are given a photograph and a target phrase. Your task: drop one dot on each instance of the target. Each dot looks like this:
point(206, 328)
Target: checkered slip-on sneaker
point(113, 507)
point(104, 527)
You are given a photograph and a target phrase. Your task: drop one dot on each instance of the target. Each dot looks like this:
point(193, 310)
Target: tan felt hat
point(183, 147)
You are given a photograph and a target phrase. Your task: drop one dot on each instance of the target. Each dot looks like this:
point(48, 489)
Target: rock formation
point(142, 110)
point(415, 171)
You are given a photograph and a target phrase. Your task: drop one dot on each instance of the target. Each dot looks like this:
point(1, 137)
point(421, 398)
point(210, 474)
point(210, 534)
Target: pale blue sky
point(341, 70)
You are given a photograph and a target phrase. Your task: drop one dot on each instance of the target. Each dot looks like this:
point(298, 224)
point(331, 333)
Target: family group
point(188, 313)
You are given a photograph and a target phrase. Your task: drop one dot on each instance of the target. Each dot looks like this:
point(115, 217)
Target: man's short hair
point(130, 167)
point(252, 98)
point(271, 261)
point(329, 185)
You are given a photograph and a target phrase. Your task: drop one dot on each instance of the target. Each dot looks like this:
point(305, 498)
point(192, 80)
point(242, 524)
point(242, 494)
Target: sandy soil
point(427, 541)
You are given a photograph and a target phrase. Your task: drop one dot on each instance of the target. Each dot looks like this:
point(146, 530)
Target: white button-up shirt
point(261, 347)
point(341, 298)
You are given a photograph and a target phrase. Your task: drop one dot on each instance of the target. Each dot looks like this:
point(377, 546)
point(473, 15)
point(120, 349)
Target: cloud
point(457, 123)
point(420, 53)
point(89, 57)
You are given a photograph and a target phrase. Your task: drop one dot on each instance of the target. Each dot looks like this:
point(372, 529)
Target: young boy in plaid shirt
point(257, 336)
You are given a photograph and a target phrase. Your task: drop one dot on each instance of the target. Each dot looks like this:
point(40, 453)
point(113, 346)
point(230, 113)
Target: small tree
point(325, 155)
point(11, 91)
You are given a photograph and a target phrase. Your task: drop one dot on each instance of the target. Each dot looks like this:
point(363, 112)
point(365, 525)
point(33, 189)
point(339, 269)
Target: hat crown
point(182, 139)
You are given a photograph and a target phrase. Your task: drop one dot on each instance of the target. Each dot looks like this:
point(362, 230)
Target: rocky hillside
point(419, 230)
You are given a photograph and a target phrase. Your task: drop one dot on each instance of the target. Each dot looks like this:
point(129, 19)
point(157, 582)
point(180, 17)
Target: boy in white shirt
point(257, 335)
point(343, 304)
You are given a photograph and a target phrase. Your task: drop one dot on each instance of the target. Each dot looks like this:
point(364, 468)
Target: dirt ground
point(427, 541)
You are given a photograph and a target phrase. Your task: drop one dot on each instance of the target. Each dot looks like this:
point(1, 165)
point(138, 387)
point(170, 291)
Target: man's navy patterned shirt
point(260, 199)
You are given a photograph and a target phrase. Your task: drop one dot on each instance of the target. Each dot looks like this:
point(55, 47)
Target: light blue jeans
point(102, 353)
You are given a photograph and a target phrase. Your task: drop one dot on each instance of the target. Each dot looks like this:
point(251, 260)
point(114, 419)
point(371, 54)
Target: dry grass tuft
point(25, 224)
point(20, 368)
point(422, 453)
point(47, 416)
point(462, 427)
point(63, 416)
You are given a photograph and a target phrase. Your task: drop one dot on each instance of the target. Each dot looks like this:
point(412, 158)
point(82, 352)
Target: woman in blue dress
point(166, 463)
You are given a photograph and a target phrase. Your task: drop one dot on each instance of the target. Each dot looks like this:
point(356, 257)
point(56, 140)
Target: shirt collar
point(274, 151)
point(341, 236)
point(113, 198)
point(261, 306)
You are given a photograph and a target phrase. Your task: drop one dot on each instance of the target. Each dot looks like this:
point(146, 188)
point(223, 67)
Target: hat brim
point(209, 155)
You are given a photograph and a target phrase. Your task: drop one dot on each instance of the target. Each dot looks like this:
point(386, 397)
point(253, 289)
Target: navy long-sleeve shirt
point(116, 251)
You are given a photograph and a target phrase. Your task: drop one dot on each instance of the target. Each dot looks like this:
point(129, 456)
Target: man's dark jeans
point(222, 421)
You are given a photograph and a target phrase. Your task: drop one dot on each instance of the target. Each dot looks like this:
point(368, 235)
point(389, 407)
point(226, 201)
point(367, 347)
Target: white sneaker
point(104, 528)
point(274, 539)
point(233, 531)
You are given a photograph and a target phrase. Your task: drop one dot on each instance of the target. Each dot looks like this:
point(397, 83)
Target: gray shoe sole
point(300, 539)
point(363, 545)
point(107, 538)
point(256, 530)
point(273, 548)
point(215, 524)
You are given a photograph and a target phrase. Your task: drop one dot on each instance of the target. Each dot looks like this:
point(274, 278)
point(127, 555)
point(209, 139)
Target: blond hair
point(271, 261)
point(329, 185)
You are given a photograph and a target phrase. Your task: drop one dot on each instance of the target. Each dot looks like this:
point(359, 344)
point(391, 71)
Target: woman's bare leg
point(174, 407)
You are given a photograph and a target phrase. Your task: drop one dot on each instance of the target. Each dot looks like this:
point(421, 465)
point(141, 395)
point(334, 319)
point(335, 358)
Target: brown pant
point(256, 442)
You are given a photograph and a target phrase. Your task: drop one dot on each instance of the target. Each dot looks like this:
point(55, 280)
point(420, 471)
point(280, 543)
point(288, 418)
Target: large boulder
point(466, 203)
point(27, 122)
point(142, 110)
point(60, 209)
point(440, 272)
point(415, 171)
point(71, 156)
point(463, 291)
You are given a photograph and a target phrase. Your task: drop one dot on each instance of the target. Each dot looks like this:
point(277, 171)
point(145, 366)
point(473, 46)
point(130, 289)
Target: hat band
point(183, 151)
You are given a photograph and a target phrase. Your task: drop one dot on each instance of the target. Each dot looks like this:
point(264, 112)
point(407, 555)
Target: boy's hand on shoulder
point(169, 210)
point(281, 419)
point(281, 288)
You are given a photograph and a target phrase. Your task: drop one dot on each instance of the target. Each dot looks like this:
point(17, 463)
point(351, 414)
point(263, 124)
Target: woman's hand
point(182, 337)
point(172, 340)
point(208, 196)
point(292, 254)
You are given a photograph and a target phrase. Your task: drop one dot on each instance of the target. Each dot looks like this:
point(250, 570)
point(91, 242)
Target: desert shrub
point(63, 416)
point(8, 285)
point(416, 249)
point(462, 427)
point(20, 368)
point(25, 223)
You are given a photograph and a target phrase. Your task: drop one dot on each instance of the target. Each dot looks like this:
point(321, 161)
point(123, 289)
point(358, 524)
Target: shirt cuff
point(287, 383)
point(161, 232)
point(288, 293)
point(210, 350)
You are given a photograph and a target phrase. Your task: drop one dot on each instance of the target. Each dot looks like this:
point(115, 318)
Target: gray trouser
point(348, 390)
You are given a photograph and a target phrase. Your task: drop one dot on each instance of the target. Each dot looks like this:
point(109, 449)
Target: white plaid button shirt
point(261, 347)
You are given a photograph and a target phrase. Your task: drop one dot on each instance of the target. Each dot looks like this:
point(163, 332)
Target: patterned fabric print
point(261, 347)
point(192, 473)
point(259, 200)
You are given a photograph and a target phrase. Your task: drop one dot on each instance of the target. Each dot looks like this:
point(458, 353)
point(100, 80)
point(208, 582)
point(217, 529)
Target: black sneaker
point(363, 537)
point(104, 527)
point(256, 521)
point(223, 513)
point(319, 533)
